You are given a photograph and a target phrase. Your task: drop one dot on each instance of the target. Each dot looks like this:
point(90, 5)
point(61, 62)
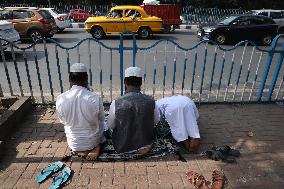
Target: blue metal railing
point(207, 73)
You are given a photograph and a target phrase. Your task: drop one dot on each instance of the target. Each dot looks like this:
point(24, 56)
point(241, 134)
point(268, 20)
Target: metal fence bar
point(279, 88)
point(248, 73)
point(212, 73)
point(17, 69)
point(155, 73)
point(165, 69)
point(6, 68)
point(184, 72)
point(1, 91)
point(68, 60)
point(193, 72)
point(38, 74)
point(145, 74)
point(203, 71)
point(58, 69)
point(221, 75)
point(275, 74)
point(175, 70)
point(255, 76)
point(90, 63)
point(121, 63)
point(101, 71)
point(110, 76)
point(28, 74)
point(267, 68)
point(48, 70)
point(239, 73)
point(230, 76)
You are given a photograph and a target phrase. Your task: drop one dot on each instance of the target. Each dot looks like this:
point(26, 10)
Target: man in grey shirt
point(132, 117)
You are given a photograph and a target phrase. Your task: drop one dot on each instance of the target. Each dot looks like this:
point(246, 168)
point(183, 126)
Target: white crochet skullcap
point(78, 67)
point(133, 71)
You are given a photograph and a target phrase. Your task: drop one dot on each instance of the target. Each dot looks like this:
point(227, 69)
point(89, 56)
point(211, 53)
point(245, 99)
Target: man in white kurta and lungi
point(182, 115)
point(82, 113)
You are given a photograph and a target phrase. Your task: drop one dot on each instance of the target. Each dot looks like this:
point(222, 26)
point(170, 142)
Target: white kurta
point(181, 114)
point(82, 113)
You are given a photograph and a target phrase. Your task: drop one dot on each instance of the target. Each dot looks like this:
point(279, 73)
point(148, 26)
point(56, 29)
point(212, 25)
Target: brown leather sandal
point(218, 179)
point(197, 180)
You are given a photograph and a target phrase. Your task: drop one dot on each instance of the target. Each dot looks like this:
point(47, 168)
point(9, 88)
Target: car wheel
point(167, 28)
point(267, 40)
point(97, 33)
point(220, 39)
point(35, 35)
point(144, 33)
point(59, 30)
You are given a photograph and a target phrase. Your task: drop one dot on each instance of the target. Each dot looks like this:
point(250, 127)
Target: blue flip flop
point(61, 178)
point(49, 170)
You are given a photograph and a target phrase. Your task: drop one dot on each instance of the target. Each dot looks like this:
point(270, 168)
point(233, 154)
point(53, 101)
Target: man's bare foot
point(93, 154)
point(82, 154)
point(194, 144)
point(144, 150)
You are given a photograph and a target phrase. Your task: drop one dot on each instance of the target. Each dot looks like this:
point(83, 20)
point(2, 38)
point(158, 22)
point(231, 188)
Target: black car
point(237, 28)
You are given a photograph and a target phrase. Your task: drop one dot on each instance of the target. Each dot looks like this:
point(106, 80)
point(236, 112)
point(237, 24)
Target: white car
point(8, 32)
point(276, 15)
point(62, 20)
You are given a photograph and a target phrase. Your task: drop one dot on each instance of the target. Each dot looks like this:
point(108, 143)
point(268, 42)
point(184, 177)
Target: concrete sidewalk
point(40, 140)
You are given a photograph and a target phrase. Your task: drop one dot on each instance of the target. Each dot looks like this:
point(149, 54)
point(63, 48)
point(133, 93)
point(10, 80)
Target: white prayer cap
point(78, 67)
point(133, 71)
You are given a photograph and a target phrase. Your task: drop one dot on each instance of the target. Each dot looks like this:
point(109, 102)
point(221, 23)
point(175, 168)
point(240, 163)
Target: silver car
point(62, 20)
point(8, 32)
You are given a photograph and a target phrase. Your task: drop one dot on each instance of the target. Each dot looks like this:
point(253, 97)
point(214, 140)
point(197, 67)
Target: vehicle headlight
point(208, 30)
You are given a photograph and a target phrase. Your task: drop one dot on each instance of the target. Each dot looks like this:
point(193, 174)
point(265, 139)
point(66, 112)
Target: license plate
point(199, 34)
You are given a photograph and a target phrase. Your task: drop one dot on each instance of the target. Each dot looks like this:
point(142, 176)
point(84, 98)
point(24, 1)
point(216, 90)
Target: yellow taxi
point(121, 18)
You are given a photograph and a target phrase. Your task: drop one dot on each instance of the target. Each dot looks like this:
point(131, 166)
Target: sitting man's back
point(81, 111)
point(132, 116)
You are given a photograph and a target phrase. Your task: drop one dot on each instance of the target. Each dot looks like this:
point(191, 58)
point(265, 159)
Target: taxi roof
point(127, 7)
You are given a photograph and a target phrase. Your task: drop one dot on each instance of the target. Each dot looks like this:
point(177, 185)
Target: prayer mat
point(164, 144)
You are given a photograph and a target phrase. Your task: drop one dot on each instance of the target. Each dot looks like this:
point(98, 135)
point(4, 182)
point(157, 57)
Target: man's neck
point(132, 89)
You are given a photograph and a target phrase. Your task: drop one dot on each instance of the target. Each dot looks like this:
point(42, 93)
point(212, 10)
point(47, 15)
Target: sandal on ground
point(218, 155)
point(227, 150)
point(197, 180)
point(218, 179)
point(48, 171)
point(61, 178)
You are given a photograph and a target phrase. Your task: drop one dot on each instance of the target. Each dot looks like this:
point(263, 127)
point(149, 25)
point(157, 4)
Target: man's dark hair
point(78, 77)
point(133, 81)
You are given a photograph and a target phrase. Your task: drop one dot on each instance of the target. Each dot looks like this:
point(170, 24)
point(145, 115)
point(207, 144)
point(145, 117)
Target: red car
point(79, 15)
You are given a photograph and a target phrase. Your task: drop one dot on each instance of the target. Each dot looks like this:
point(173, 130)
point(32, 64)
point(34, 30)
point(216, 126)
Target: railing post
point(276, 73)
point(1, 91)
point(267, 67)
point(121, 63)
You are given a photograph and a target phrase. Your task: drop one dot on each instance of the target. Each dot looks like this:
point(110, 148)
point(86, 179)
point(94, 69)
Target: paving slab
point(40, 140)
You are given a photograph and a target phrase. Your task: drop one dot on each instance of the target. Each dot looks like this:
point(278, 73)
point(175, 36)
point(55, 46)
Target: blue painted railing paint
point(28, 74)
point(17, 70)
point(275, 74)
point(58, 69)
point(267, 67)
point(158, 69)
